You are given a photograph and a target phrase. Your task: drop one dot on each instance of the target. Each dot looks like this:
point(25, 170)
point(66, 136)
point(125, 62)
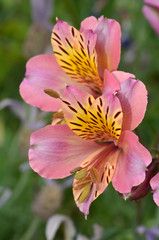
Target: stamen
point(75, 170)
point(52, 93)
point(85, 193)
point(81, 174)
point(81, 183)
point(58, 115)
point(94, 175)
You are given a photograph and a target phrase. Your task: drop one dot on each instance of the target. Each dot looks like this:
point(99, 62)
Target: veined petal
point(152, 15)
point(56, 150)
point(132, 93)
point(108, 45)
point(155, 186)
point(97, 120)
point(75, 53)
point(90, 23)
point(132, 162)
point(100, 167)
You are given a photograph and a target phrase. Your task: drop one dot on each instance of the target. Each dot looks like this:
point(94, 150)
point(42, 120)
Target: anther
point(79, 184)
point(52, 93)
point(94, 175)
point(76, 170)
point(58, 115)
point(81, 174)
point(85, 193)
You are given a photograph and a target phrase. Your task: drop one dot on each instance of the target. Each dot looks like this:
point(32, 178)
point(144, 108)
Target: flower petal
point(53, 224)
point(153, 3)
point(108, 45)
point(84, 206)
point(111, 84)
point(97, 120)
point(132, 162)
point(75, 53)
point(132, 93)
point(152, 16)
point(155, 186)
point(122, 76)
point(42, 72)
point(99, 168)
point(56, 150)
point(90, 23)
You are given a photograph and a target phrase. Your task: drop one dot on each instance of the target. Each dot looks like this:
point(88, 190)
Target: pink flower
point(97, 143)
point(80, 58)
point(155, 186)
point(151, 12)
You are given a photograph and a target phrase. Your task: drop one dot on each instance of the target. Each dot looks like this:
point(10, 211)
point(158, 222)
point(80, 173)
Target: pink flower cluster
point(99, 107)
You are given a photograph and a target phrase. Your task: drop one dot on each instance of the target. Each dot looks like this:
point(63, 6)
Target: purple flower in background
point(38, 37)
point(150, 234)
point(151, 12)
point(42, 11)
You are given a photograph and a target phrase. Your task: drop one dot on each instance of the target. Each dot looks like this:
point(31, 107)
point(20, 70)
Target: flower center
point(97, 171)
point(96, 121)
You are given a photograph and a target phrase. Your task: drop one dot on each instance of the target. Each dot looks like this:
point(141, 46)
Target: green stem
point(20, 187)
point(31, 229)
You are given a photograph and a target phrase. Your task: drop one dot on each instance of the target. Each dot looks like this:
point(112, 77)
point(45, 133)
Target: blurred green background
point(23, 34)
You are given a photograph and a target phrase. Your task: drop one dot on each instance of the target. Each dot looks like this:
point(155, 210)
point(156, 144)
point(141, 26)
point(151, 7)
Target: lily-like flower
point(151, 12)
point(97, 143)
point(155, 186)
point(80, 58)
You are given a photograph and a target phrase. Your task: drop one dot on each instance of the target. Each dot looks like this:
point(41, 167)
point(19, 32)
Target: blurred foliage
point(140, 51)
